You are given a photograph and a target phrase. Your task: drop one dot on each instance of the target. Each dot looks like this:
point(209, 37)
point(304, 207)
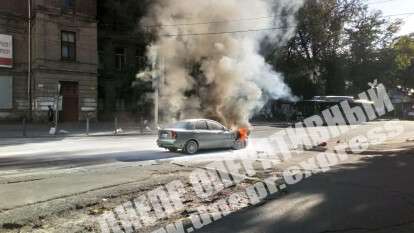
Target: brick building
point(63, 58)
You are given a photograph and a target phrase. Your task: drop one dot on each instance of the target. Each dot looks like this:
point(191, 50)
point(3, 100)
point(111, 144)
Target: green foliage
point(404, 48)
point(404, 60)
point(339, 47)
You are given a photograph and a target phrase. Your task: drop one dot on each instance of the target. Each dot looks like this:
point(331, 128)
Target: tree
point(404, 60)
point(369, 37)
point(339, 46)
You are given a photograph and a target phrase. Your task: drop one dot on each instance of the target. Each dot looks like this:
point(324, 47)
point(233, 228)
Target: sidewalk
point(16, 130)
point(35, 130)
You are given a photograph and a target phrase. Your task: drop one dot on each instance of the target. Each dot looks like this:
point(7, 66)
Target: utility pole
point(156, 101)
point(156, 79)
point(57, 109)
point(159, 80)
point(29, 59)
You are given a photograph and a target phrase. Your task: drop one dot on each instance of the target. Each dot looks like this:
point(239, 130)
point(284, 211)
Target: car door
point(220, 137)
point(202, 134)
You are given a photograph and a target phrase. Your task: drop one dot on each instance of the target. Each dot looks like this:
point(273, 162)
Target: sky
point(392, 7)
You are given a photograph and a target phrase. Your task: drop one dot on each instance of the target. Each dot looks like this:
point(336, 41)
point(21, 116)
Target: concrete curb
point(77, 136)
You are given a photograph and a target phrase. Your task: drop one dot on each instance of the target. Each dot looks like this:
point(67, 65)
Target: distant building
point(63, 54)
point(122, 55)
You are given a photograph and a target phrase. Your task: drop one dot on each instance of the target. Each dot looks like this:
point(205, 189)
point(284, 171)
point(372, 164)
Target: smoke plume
point(208, 51)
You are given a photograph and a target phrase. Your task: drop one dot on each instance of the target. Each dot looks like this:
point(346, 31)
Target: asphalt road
point(375, 195)
point(31, 153)
point(372, 192)
point(38, 170)
point(42, 171)
point(43, 153)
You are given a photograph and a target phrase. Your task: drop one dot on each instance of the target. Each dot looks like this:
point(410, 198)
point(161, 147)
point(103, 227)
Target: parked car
point(190, 136)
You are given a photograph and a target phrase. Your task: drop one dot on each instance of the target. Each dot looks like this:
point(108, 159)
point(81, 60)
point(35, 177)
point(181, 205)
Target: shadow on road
point(74, 159)
point(22, 141)
point(376, 195)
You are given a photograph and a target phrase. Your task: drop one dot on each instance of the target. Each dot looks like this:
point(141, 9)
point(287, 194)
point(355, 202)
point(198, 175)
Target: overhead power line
point(403, 14)
point(216, 22)
point(380, 2)
point(252, 30)
point(227, 32)
point(240, 19)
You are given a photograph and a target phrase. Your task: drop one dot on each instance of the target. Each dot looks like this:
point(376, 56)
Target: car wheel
point(173, 149)
point(191, 147)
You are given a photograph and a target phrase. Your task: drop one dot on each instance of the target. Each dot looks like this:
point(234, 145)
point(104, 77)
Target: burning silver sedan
point(190, 136)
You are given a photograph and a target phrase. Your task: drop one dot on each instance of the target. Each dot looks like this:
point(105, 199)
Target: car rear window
point(181, 125)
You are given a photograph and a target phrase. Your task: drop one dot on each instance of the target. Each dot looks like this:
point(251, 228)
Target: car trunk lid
point(167, 134)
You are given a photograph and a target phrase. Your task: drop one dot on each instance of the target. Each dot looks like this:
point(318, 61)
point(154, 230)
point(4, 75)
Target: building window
point(120, 58)
point(68, 46)
point(68, 4)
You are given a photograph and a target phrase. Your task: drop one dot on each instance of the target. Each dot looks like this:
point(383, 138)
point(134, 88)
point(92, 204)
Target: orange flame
point(244, 134)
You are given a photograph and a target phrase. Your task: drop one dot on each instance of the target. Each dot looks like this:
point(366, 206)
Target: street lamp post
point(29, 58)
point(57, 109)
point(157, 79)
point(156, 100)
